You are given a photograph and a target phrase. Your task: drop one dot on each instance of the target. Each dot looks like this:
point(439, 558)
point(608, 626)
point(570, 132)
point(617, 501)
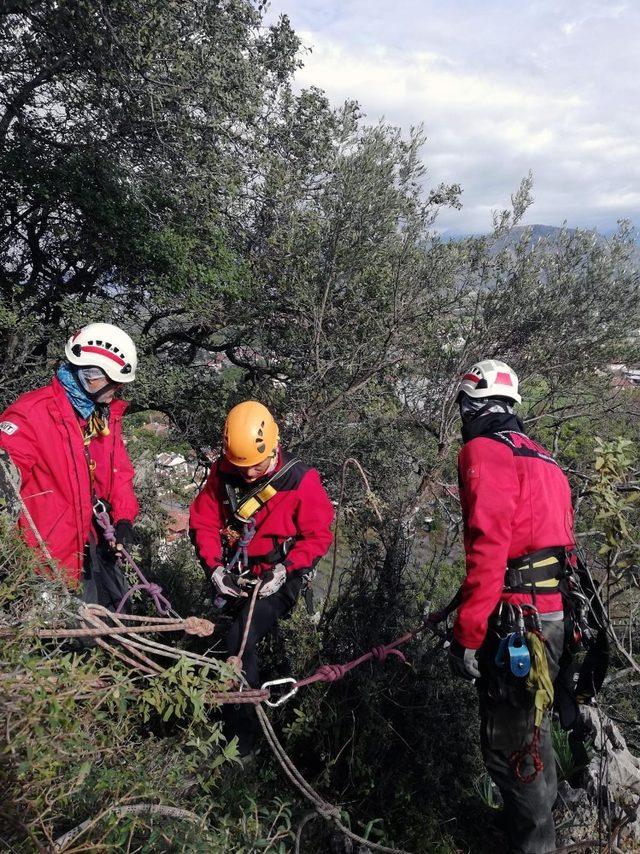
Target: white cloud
point(501, 88)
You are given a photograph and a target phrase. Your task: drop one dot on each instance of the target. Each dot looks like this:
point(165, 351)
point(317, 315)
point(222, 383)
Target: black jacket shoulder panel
point(292, 478)
point(526, 448)
point(286, 482)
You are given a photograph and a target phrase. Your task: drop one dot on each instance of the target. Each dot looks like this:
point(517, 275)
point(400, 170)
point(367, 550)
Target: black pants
point(507, 721)
point(104, 581)
point(240, 719)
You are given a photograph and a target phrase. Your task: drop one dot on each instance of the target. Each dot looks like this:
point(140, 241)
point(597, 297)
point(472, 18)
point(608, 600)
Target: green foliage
point(83, 733)
point(613, 506)
point(565, 760)
point(259, 243)
point(485, 791)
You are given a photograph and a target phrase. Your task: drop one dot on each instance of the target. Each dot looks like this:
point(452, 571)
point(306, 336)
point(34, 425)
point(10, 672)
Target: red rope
point(519, 758)
point(333, 672)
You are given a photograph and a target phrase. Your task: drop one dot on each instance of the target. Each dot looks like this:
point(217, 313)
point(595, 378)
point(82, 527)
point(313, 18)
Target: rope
point(379, 653)
point(191, 626)
point(519, 757)
point(62, 842)
point(162, 604)
point(255, 696)
point(235, 661)
point(143, 663)
point(247, 627)
point(328, 811)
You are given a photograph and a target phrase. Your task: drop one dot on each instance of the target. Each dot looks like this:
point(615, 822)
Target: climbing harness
point(241, 529)
point(244, 509)
point(535, 573)
point(556, 570)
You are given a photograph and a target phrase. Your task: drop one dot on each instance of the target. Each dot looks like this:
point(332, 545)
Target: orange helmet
point(250, 434)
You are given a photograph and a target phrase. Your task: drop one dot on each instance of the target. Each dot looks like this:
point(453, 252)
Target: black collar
point(492, 422)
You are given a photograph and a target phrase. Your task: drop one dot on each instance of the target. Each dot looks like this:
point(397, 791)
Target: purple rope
point(162, 604)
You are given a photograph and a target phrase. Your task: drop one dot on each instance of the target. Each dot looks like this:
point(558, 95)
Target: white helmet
point(102, 345)
point(490, 378)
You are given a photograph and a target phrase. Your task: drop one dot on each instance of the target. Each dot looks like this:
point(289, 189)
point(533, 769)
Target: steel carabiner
point(285, 697)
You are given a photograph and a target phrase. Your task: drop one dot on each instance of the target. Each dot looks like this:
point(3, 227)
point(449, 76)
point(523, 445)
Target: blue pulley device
point(515, 648)
point(519, 658)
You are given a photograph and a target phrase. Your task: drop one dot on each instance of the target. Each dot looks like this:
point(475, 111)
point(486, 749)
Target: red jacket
point(515, 500)
point(42, 435)
point(301, 509)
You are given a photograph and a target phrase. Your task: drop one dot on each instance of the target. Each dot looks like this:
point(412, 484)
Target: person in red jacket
point(65, 440)
point(262, 516)
point(518, 531)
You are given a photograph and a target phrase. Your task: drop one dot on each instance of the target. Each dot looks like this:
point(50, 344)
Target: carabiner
point(99, 507)
point(520, 629)
point(532, 611)
point(285, 697)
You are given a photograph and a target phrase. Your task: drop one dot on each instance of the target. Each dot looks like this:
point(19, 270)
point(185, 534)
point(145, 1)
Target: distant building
point(625, 376)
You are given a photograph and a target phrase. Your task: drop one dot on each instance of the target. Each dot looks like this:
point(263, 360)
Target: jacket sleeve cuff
point(291, 566)
point(468, 641)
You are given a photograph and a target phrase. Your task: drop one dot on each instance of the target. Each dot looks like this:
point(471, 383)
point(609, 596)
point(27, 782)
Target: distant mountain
point(551, 233)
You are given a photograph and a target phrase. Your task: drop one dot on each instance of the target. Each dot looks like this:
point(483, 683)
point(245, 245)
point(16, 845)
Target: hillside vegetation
point(159, 170)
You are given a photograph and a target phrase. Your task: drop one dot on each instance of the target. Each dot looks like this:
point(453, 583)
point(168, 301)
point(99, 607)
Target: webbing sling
point(540, 685)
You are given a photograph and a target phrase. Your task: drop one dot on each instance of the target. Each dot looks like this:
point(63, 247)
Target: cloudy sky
point(501, 87)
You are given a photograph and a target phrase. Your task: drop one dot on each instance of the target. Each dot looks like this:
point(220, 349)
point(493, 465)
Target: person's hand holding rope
point(124, 535)
point(273, 580)
point(225, 583)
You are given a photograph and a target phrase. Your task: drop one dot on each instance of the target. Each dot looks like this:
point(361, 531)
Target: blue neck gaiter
point(78, 397)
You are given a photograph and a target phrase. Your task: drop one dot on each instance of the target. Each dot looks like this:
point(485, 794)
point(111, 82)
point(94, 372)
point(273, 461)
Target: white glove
point(273, 581)
point(463, 661)
point(225, 583)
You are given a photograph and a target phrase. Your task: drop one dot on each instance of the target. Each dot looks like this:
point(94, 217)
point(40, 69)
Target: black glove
point(124, 534)
point(463, 662)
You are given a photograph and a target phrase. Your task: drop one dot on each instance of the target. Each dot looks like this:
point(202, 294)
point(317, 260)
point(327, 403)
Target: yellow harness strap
point(251, 506)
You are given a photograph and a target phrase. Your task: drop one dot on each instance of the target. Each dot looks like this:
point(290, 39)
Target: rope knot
point(331, 672)
point(381, 652)
point(327, 811)
point(198, 626)
point(531, 751)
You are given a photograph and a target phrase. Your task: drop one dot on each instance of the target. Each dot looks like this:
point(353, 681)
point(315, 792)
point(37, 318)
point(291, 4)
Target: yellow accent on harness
point(539, 680)
point(251, 506)
point(550, 583)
